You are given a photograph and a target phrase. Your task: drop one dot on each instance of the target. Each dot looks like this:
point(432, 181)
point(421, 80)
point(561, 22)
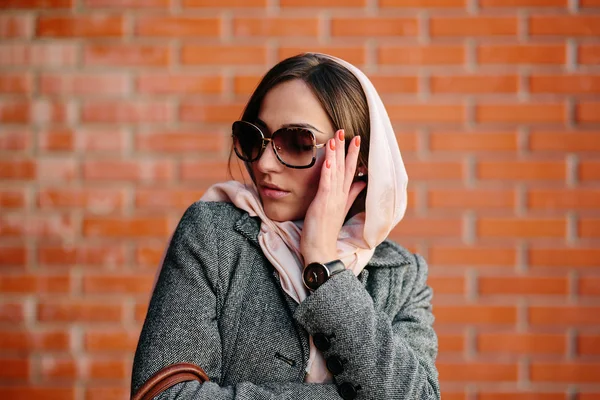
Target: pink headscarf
point(384, 207)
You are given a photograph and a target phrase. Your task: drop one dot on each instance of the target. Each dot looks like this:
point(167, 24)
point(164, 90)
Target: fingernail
point(358, 141)
point(328, 163)
point(332, 144)
point(341, 134)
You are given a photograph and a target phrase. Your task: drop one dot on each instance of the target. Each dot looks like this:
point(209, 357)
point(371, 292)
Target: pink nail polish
point(358, 141)
point(341, 134)
point(332, 144)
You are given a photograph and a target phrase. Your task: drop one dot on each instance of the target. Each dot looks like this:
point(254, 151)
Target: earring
point(361, 174)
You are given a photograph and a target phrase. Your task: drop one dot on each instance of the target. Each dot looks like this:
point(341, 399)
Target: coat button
point(321, 341)
point(347, 391)
point(334, 365)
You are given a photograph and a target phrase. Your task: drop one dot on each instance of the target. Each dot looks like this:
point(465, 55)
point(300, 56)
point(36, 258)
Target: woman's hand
point(336, 194)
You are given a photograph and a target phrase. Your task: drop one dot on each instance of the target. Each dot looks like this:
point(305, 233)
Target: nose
point(268, 161)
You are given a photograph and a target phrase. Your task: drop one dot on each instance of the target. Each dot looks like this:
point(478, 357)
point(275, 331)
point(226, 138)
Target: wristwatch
point(315, 274)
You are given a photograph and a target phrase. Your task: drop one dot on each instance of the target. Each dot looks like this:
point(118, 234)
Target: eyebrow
point(293, 125)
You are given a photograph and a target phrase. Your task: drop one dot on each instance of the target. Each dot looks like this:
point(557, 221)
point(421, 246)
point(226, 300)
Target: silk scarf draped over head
point(384, 207)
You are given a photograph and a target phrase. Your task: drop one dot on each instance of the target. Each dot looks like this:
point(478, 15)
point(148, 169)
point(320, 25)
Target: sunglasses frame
point(265, 143)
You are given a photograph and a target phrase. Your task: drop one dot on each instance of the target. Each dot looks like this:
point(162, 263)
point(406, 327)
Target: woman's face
point(286, 192)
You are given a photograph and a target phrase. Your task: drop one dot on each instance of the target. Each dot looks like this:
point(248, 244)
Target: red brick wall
point(114, 117)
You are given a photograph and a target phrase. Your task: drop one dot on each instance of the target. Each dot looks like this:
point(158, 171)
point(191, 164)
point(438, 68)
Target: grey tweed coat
point(219, 304)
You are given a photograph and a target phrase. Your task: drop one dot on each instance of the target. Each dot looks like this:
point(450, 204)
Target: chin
point(277, 214)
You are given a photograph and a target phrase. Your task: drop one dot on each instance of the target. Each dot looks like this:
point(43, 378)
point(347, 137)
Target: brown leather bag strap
point(167, 377)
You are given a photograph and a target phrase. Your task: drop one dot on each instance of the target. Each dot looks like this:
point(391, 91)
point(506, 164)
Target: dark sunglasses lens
point(247, 141)
point(294, 146)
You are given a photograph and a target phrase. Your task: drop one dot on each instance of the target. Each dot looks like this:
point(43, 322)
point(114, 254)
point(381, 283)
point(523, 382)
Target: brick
point(125, 227)
point(588, 54)
point(203, 171)
point(23, 340)
point(110, 340)
point(408, 141)
point(426, 113)
point(560, 142)
point(423, 3)
point(522, 3)
point(126, 112)
point(166, 199)
point(589, 3)
point(15, 83)
point(473, 141)
point(58, 367)
point(12, 198)
point(427, 227)
point(29, 391)
point(86, 140)
point(33, 284)
point(225, 3)
point(521, 228)
point(561, 25)
point(434, 170)
point(245, 84)
point(589, 171)
point(421, 55)
point(564, 315)
point(520, 396)
point(475, 314)
point(563, 199)
point(12, 312)
point(451, 343)
point(193, 111)
point(136, 4)
point(118, 284)
point(105, 368)
point(181, 141)
point(521, 170)
point(395, 84)
point(178, 27)
point(39, 226)
point(587, 112)
point(564, 372)
point(126, 55)
point(521, 343)
point(374, 27)
point(588, 227)
point(480, 256)
point(108, 255)
point(31, 4)
point(523, 285)
point(564, 84)
point(192, 54)
point(447, 284)
point(478, 199)
point(588, 344)
point(472, 26)
point(477, 372)
point(47, 55)
point(86, 27)
point(83, 84)
point(96, 200)
point(149, 255)
point(179, 84)
point(323, 3)
point(535, 54)
point(15, 26)
point(18, 169)
point(140, 311)
point(39, 112)
point(455, 395)
point(124, 170)
point(104, 392)
point(275, 27)
point(354, 55)
point(476, 84)
point(522, 113)
point(15, 368)
point(13, 255)
point(16, 111)
point(589, 286)
point(15, 139)
point(565, 257)
point(79, 310)
point(58, 169)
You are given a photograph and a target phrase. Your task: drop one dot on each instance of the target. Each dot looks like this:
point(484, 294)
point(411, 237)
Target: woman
point(287, 288)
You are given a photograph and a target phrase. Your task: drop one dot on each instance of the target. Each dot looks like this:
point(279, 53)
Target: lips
point(272, 191)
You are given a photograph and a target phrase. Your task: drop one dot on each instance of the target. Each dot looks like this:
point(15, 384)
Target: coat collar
point(387, 254)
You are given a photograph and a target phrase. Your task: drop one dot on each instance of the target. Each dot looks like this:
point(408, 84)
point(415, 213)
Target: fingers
point(353, 193)
point(351, 162)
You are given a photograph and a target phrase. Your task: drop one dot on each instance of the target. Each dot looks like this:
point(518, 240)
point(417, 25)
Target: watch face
point(315, 275)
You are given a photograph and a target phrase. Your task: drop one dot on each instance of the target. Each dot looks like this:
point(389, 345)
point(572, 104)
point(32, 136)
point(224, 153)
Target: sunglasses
point(294, 147)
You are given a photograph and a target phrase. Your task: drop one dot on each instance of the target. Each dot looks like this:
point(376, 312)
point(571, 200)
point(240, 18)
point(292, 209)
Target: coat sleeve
point(182, 322)
point(386, 354)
